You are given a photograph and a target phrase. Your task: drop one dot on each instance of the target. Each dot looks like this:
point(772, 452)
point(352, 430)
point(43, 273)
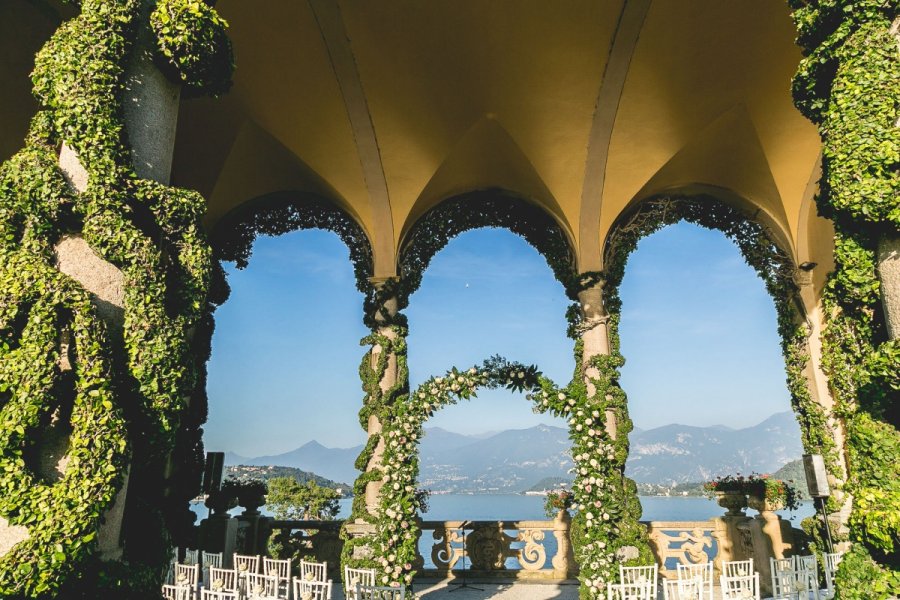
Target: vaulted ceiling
point(583, 107)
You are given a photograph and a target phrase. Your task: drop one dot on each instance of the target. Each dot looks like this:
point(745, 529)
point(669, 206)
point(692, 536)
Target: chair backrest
point(311, 590)
point(246, 564)
point(187, 575)
point(191, 557)
point(217, 595)
point(375, 592)
point(740, 587)
point(277, 567)
point(794, 583)
point(644, 590)
point(177, 592)
point(831, 560)
point(212, 559)
point(642, 574)
point(262, 587)
point(313, 571)
point(704, 571)
point(222, 579)
point(685, 589)
point(354, 576)
point(781, 564)
point(737, 568)
point(808, 562)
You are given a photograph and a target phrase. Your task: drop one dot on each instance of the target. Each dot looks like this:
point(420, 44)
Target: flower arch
point(397, 530)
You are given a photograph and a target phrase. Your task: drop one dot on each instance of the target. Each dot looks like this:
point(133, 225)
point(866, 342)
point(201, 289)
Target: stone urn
point(734, 501)
point(251, 496)
point(761, 504)
point(220, 502)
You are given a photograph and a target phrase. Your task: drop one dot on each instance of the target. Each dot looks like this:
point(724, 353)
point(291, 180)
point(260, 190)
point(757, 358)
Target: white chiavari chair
point(740, 587)
point(737, 568)
point(208, 560)
point(224, 580)
point(702, 570)
point(261, 587)
point(187, 576)
point(217, 595)
point(243, 563)
point(280, 568)
point(177, 592)
point(354, 576)
point(684, 589)
point(191, 557)
point(631, 591)
point(639, 574)
point(311, 590)
point(831, 560)
point(375, 592)
point(313, 571)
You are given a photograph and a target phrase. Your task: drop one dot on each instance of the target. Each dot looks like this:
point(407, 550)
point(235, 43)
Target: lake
point(517, 507)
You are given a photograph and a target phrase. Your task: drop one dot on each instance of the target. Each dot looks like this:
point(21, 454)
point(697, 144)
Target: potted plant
point(767, 494)
point(729, 492)
point(222, 500)
point(558, 502)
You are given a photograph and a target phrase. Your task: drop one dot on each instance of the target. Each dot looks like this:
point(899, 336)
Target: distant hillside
point(550, 483)
point(518, 460)
point(269, 472)
point(681, 453)
point(332, 463)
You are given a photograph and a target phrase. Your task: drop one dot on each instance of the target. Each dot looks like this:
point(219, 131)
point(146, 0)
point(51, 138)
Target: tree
point(289, 499)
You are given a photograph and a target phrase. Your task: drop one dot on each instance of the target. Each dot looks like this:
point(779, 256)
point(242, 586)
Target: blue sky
point(698, 334)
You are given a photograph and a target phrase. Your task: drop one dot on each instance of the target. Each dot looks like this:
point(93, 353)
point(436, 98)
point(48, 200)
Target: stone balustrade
point(542, 550)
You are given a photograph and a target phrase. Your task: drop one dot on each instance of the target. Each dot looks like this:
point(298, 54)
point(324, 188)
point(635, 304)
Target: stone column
point(150, 106)
point(820, 393)
point(383, 317)
point(595, 338)
point(889, 275)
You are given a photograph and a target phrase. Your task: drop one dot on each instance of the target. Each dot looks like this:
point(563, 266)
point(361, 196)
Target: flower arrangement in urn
point(760, 492)
point(730, 493)
point(767, 494)
point(558, 501)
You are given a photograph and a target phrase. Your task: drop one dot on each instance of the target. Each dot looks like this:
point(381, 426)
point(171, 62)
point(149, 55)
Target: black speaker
point(212, 471)
point(816, 477)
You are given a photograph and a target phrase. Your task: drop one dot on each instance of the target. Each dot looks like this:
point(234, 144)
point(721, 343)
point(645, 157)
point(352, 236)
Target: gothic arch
point(485, 208)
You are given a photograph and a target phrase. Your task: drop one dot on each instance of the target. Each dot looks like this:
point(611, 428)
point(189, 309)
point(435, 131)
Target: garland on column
point(848, 84)
point(153, 234)
point(605, 530)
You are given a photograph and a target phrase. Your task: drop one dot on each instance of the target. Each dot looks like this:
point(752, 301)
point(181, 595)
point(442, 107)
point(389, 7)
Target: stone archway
point(822, 429)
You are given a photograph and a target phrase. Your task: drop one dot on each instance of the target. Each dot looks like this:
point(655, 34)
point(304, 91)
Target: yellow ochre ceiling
point(583, 107)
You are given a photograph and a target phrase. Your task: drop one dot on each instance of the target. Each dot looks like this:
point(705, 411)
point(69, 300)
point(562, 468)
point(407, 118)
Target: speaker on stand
point(463, 583)
point(817, 483)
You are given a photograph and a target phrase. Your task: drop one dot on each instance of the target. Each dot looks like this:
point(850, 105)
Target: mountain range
point(515, 460)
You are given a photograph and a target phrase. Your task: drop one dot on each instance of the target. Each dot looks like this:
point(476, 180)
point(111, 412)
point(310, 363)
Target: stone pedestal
point(219, 534)
point(564, 565)
point(772, 537)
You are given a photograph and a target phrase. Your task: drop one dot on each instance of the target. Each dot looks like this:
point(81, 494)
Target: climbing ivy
point(848, 84)
point(138, 396)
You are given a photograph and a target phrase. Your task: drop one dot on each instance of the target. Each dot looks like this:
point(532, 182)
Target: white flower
point(561, 396)
point(521, 375)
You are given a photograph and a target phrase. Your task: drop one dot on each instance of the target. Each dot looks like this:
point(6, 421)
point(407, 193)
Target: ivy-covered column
point(104, 274)
point(848, 84)
point(606, 531)
point(385, 381)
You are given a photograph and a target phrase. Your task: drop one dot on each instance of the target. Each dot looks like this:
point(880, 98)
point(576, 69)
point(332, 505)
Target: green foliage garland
point(848, 84)
point(277, 214)
point(153, 234)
